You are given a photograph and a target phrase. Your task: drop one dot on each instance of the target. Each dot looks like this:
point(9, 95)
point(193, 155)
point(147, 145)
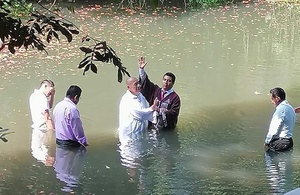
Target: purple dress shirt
point(67, 122)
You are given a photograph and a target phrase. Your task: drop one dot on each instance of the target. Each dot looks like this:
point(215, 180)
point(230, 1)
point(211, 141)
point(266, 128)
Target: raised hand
point(142, 62)
point(154, 106)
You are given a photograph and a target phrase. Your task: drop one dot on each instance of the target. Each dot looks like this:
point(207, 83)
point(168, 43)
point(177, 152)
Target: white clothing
point(134, 114)
point(39, 148)
point(38, 105)
point(282, 123)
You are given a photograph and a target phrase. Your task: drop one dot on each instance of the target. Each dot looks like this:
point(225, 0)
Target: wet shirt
point(282, 123)
point(38, 105)
point(134, 114)
point(67, 122)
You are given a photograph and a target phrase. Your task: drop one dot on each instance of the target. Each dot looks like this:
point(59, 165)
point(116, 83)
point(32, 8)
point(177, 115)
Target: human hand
point(266, 146)
point(155, 104)
point(164, 110)
point(52, 91)
point(142, 62)
point(297, 110)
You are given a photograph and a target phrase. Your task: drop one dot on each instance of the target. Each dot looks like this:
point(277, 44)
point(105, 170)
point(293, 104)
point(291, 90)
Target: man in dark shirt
point(169, 101)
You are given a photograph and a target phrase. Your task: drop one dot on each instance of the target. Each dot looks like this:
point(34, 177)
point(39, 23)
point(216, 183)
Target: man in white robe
point(134, 112)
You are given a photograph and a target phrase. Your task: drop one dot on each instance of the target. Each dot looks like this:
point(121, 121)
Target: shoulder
point(175, 95)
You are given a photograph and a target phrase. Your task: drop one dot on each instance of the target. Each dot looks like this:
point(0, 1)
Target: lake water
point(226, 60)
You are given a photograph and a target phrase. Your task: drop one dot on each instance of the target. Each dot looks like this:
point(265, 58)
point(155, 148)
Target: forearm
point(51, 100)
point(143, 114)
point(275, 126)
point(79, 131)
point(142, 75)
point(48, 119)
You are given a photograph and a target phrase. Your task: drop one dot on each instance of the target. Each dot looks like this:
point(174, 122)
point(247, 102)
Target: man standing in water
point(169, 101)
point(40, 102)
point(134, 112)
point(69, 131)
point(279, 136)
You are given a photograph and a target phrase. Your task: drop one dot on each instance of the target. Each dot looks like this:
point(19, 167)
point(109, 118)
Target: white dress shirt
point(134, 114)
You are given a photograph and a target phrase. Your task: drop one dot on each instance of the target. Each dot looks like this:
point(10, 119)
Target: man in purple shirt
point(68, 126)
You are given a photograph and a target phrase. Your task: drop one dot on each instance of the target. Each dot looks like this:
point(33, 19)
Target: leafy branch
point(2, 134)
point(40, 28)
point(101, 52)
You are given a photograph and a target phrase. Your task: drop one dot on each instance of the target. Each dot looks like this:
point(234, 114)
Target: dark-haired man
point(279, 136)
point(69, 131)
point(169, 101)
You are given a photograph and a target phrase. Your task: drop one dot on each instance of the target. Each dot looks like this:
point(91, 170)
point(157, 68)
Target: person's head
point(133, 85)
point(74, 93)
point(277, 95)
point(47, 86)
point(168, 81)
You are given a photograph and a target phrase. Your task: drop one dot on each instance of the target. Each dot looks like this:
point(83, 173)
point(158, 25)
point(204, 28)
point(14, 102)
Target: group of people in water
point(135, 114)
point(144, 106)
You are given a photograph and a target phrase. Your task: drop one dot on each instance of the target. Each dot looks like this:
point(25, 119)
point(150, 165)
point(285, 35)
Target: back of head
point(278, 92)
point(131, 80)
point(73, 91)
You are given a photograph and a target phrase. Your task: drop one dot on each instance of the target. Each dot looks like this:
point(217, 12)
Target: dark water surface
point(226, 61)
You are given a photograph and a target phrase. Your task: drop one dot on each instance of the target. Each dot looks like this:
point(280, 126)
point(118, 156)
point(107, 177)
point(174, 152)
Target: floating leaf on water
point(257, 93)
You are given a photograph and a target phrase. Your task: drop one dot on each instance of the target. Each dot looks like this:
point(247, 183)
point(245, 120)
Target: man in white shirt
point(41, 101)
point(134, 112)
point(279, 136)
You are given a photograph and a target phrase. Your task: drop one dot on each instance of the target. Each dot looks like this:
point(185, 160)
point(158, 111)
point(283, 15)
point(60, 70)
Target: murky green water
point(225, 60)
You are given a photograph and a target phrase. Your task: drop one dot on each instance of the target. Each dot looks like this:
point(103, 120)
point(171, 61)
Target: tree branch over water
point(3, 133)
point(42, 28)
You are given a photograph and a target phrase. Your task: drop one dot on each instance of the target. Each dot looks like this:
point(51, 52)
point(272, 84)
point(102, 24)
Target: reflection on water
point(40, 146)
point(134, 148)
point(279, 171)
point(68, 166)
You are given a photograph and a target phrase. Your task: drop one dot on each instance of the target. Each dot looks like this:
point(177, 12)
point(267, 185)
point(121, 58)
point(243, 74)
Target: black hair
point(46, 81)
point(171, 75)
point(73, 91)
point(278, 92)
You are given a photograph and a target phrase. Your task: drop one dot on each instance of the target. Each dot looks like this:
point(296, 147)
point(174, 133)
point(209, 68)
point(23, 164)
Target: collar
point(133, 96)
point(168, 92)
point(68, 100)
point(284, 102)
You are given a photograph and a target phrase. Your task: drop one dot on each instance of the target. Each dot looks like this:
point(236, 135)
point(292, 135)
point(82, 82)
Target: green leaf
point(120, 76)
point(86, 68)
point(83, 63)
point(86, 50)
point(94, 68)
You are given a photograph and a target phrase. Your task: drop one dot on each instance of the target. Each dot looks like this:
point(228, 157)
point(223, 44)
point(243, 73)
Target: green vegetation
point(18, 8)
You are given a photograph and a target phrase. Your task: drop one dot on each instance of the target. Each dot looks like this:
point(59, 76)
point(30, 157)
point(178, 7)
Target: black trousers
point(281, 144)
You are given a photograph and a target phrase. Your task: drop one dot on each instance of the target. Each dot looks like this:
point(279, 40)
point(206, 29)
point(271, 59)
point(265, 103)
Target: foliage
point(2, 134)
point(42, 28)
point(100, 52)
point(204, 3)
point(18, 8)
